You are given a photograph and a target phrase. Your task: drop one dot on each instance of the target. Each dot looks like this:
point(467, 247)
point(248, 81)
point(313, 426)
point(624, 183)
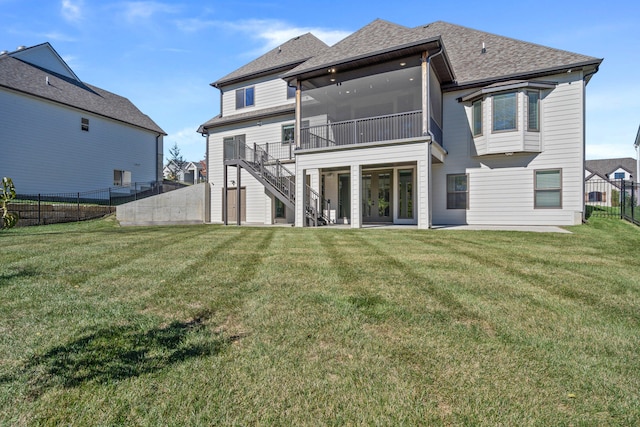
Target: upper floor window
point(84, 124)
point(477, 117)
point(505, 112)
point(245, 97)
point(618, 175)
point(291, 92)
point(533, 106)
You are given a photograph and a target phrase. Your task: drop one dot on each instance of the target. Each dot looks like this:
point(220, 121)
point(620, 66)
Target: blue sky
point(162, 55)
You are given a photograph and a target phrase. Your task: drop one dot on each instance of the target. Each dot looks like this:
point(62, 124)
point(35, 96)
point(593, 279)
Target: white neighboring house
point(190, 173)
point(603, 180)
point(437, 124)
point(60, 134)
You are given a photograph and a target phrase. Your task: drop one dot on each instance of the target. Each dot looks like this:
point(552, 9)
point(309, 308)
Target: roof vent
point(21, 47)
point(3, 52)
point(484, 49)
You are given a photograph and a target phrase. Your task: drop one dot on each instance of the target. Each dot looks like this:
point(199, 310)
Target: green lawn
point(203, 325)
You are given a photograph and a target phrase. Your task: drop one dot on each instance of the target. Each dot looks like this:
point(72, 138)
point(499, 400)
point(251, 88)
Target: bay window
point(505, 112)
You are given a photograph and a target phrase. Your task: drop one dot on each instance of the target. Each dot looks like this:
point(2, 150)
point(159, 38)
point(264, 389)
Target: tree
point(175, 162)
point(203, 171)
point(8, 193)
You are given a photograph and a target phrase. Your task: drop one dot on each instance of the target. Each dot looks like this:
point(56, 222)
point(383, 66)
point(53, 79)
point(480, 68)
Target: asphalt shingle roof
point(503, 57)
point(378, 36)
point(21, 76)
point(287, 55)
point(218, 120)
point(605, 167)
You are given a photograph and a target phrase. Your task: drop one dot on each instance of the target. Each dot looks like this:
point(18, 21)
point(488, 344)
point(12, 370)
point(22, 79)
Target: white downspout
point(426, 126)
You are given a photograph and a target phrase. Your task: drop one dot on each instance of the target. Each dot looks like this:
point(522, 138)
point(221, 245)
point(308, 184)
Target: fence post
point(78, 205)
point(633, 202)
point(623, 199)
point(39, 214)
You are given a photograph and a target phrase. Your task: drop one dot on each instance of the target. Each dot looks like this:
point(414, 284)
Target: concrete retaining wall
point(183, 206)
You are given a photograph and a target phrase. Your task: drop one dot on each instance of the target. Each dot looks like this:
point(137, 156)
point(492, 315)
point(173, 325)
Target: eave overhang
point(589, 67)
point(432, 45)
point(220, 121)
point(507, 86)
point(268, 71)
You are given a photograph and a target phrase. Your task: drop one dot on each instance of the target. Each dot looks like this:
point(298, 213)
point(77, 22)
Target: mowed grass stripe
point(240, 325)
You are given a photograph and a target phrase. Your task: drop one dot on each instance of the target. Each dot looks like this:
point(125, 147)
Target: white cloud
point(141, 10)
point(192, 145)
point(72, 62)
point(270, 33)
point(610, 151)
point(59, 37)
point(274, 32)
point(72, 10)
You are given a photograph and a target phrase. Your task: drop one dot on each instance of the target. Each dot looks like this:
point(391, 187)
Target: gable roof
point(45, 56)
point(605, 167)
point(504, 57)
point(379, 39)
point(27, 78)
point(286, 56)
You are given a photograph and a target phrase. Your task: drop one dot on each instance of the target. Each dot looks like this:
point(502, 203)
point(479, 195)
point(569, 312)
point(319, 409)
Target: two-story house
point(59, 134)
point(438, 124)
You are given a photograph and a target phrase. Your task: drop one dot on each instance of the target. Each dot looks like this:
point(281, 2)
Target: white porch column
point(315, 179)
point(426, 117)
point(356, 196)
point(422, 193)
point(429, 186)
point(301, 178)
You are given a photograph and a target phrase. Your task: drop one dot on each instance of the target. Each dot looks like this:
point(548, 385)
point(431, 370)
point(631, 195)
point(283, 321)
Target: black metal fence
point(629, 208)
point(612, 198)
point(53, 208)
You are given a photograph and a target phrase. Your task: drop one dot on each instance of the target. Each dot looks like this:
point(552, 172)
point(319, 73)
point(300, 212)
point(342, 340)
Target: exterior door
point(405, 194)
point(232, 204)
point(376, 196)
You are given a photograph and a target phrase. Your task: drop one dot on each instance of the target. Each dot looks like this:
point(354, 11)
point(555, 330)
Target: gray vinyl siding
point(42, 56)
point(410, 154)
point(259, 204)
point(45, 151)
point(501, 187)
point(270, 91)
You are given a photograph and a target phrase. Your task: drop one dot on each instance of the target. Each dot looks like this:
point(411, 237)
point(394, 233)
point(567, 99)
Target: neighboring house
point(438, 124)
point(621, 168)
point(60, 134)
point(603, 180)
point(190, 173)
